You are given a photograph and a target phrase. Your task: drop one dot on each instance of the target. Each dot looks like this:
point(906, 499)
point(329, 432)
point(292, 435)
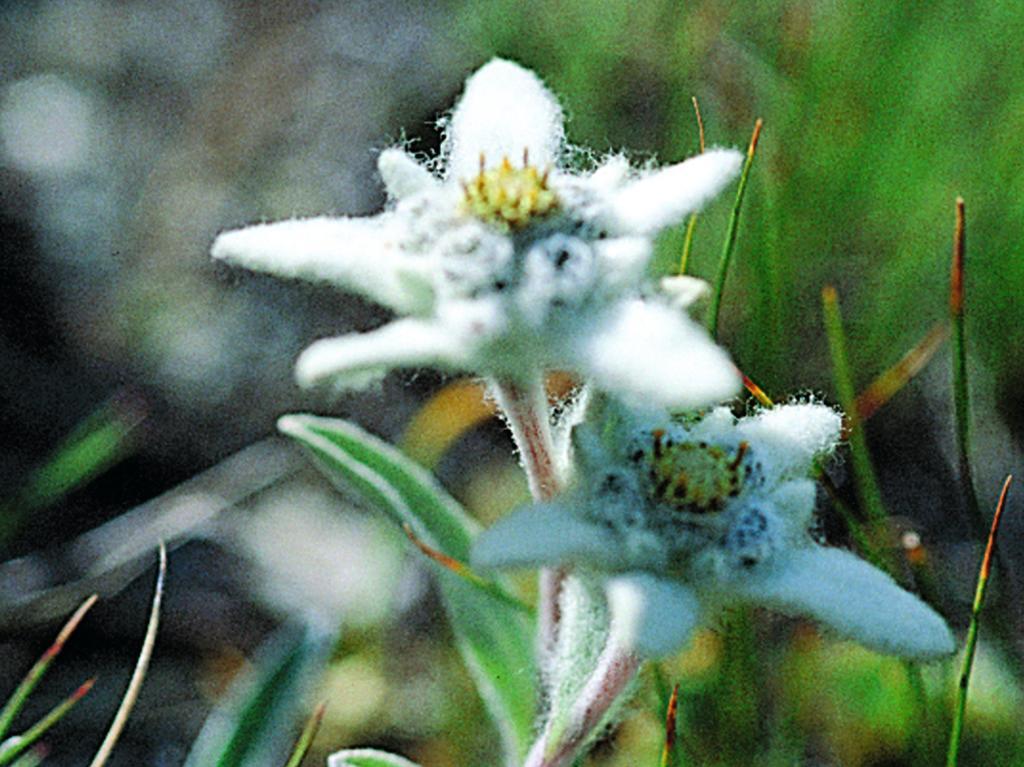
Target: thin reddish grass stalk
point(885, 387)
point(31, 679)
point(700, 122)
point(970, 646)
point(670, 727)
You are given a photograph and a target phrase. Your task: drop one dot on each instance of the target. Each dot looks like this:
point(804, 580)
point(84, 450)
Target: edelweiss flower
point(680, 519)
point(509, 263)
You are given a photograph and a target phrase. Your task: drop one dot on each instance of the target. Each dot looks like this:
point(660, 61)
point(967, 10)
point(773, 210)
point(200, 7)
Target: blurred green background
point(131, 132)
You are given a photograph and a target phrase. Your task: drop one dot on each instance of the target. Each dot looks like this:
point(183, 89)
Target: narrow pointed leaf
point(367, 757)
point(494, 637)
point(252, 727)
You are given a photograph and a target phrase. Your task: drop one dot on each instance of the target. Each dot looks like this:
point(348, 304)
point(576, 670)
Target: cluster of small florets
point(508, 197)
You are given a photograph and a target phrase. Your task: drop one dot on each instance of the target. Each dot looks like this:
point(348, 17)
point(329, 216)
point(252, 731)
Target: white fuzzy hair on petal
point(794, 434)
point(855, 599)
point(796, 499)
point(359, 255)
point(654, 355)
point(359, 359)
point(622, 261)
point(503, 110)
point(652, 615)
point(402, 175)
point(544, 534)
point(664, 196)
point(611, 173)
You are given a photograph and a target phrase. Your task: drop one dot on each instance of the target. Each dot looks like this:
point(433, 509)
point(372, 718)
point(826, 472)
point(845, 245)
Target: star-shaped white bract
point(682, 518)
point(506, 263)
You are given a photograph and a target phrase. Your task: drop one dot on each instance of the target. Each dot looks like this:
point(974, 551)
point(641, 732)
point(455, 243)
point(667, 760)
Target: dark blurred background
point(132, 132)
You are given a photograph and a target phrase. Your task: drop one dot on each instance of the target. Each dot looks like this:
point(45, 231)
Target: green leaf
point(95, 445)
point(252, 727)
point(367, 757)
point(495, 639)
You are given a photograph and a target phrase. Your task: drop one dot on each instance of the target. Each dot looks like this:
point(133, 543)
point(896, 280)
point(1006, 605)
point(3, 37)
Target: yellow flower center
point(508, 197)
point(694, 476)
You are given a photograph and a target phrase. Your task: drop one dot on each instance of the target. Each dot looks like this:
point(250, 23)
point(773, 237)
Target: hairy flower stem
point(615, 670)
point(527, 414)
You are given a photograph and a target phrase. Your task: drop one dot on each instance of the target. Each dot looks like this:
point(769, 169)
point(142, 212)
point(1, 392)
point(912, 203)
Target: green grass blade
point(493, 635)
point(93, 446)
point(28, 684)
point(306, 737)
point(691, 227)
point(19, 745)
point(971, 644)
point(730, 237)
point(864, 473)
point(251, 726)
point(691, 224)
point(141, 666)
point(961, 391)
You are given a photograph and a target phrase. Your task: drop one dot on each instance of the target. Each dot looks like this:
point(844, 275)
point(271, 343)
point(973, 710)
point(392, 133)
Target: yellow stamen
point(509, 197)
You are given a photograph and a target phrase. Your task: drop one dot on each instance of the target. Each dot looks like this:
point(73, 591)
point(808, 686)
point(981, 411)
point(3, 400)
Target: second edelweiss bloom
point(682, 518)
point(507, 263)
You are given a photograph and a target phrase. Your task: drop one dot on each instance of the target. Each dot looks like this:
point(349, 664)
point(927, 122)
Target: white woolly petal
point(622, 262)
point(357, 360)
point(504, 110)
point(665, 196)
point(795, 500)
point(657, 357)
point(655, 616)
point(683, 291)
point(544, 534)
point(856, 599)
point(717, 425)
point(610, 175)
point(792, 436)
point(402, 175)
point(360, 255)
